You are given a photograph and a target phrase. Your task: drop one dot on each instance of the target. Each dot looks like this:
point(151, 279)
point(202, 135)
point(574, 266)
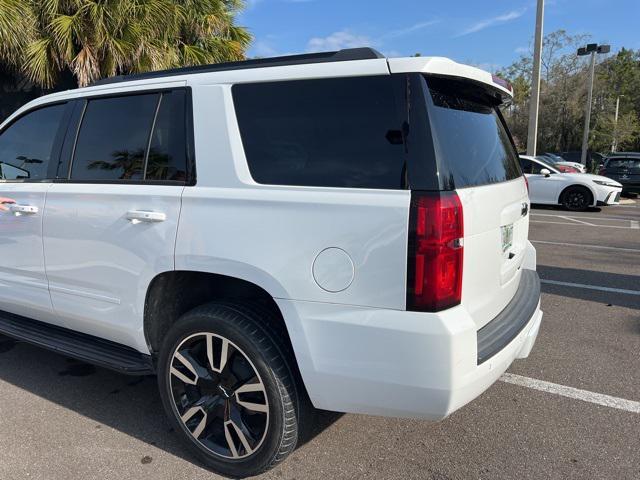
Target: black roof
point(324, 57)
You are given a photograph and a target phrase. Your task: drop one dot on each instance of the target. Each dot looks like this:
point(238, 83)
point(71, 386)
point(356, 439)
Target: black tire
point(576, 198)
point(251, 345)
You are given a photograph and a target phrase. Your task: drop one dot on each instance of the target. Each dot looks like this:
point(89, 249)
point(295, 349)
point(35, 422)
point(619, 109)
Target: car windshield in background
point(624, 163)
point(547, 163)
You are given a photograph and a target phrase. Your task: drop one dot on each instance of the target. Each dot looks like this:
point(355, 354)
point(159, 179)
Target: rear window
point(338, 132)
point(470, 139)
point(624, 163)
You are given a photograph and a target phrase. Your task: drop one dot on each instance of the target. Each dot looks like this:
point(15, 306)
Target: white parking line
point(576, 220)
point(583, 245)
point(570, 392)
point(573, 217)
point(583, 225)
point(591, 287)
point(635, 225)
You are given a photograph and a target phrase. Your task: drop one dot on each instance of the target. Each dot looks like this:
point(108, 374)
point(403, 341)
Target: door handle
point(22, 209)
point(138, 216)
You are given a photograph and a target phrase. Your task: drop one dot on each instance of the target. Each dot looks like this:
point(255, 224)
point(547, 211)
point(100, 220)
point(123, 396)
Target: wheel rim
point(576, 199)
point(219, 396)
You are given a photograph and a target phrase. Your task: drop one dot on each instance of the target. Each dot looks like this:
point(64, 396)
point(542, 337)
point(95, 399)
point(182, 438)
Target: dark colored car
point(624, 168)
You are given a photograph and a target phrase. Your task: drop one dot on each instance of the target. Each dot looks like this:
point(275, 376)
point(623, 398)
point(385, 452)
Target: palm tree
point(100, 38)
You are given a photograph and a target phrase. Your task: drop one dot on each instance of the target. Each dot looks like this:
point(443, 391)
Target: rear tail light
point(434, 268)
point(526, 182)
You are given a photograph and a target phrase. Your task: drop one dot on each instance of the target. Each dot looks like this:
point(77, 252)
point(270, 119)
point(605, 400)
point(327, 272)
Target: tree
point(99, 38)
point(563, 91)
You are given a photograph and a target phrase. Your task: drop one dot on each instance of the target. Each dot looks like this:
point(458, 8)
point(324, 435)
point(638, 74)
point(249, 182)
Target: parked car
point(574, 191)
point(624, 168)
point(275, 232)
point(563, 167)
point(594, 159)
point(558, 161)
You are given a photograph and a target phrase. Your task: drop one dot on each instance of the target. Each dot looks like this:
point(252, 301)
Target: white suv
point(339, 230)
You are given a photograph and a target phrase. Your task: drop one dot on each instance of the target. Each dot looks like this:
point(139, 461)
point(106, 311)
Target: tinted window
point(167, 150)
point(526, 165)
point(113, 138)
point(26, 146)
point(340, 132)
point(470, 139)
point(624, 163)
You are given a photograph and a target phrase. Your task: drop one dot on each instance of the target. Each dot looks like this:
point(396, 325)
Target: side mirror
point(546, 172)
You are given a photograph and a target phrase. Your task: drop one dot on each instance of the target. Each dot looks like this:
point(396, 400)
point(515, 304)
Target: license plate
point(506, 234)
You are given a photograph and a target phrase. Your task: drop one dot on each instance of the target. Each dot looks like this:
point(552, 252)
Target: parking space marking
point(583, 245)
point(582, 225)
point(571, 392)
point(591, 287)
point(576, 220)
point(635, 224)
point(572, 217)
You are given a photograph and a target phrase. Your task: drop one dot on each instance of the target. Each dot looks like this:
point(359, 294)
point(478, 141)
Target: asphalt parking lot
point(572, 410)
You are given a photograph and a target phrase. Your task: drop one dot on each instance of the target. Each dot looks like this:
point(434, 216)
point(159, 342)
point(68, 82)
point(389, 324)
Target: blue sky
point(489, 34)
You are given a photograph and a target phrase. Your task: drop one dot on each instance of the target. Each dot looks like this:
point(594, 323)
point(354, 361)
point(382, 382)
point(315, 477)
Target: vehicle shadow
point(128, 404)
point(592, 278)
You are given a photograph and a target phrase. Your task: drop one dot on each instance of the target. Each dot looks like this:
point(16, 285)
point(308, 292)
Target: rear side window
point(339, 132)
point(624, 163)
point(132, 138)
point(470, 139)
point(26, 146)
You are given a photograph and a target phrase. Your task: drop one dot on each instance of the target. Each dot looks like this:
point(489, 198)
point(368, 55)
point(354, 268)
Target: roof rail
point(324, 57)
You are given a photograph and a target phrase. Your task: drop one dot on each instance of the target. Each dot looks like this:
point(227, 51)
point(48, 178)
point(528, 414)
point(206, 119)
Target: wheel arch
point(172, 293)
point(594, 196)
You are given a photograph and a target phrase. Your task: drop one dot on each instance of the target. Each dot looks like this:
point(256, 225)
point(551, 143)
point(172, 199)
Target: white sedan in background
point(574, 191)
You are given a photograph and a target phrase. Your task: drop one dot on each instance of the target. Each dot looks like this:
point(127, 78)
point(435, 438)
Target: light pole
point(614, 144)
point(534, 101)
point(590, 49)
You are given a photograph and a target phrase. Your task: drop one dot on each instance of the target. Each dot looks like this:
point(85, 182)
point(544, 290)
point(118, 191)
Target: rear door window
point(113, 138)
point(339, 132)
point(470, 138)
point(132, 138)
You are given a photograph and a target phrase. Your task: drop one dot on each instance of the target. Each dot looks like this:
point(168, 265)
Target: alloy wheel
point(219, 396)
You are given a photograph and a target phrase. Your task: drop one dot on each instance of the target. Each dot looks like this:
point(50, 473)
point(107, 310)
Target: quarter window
point(339, 132)
point(26, 147)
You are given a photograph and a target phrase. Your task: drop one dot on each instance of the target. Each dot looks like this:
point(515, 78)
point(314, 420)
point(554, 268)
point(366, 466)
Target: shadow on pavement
point(593, 278)
point(128, 404)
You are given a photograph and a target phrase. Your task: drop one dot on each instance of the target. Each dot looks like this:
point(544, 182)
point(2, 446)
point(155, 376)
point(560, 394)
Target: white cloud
point(408, 30)
point(522, 50)
point(490, 22)
point(263, 48)
point(338, 41)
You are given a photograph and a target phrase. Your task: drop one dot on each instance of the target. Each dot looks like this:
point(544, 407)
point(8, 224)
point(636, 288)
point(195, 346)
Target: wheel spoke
point(253, 406)
point(240, 432)
point(222, 355)
point(203, 422)
point(187, 364)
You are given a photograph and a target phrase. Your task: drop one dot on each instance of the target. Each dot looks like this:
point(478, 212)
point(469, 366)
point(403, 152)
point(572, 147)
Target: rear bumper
point(399, 363)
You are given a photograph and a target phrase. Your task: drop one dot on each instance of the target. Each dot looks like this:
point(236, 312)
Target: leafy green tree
point(563, 93)
point(99, 38)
